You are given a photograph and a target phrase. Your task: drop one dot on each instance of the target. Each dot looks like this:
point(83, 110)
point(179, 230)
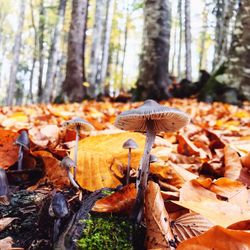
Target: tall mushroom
point(4, 188)
point(68, 163)
point(23, 142)
point(77, 124)
point(151, 118)
point(129, 144)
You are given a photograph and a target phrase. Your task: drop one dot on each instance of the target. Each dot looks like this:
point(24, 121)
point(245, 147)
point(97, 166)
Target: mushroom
point(58, 209)
point(68, 163)
point(129, 144)
point(77, 124)
point(151, 118)
point(23, 142)
point(153, 158)
point(4, 188)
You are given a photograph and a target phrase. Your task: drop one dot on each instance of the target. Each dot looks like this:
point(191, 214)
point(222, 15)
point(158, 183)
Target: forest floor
point(198, 188)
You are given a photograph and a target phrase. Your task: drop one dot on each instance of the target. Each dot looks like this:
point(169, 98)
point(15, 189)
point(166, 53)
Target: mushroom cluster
point(151, 118)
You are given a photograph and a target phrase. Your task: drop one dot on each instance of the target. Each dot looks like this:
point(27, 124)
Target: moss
point(108, 232)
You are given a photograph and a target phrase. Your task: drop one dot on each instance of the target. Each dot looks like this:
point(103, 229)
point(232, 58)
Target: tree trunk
point(153, 75)
point(237, 74)
point(203, 38)
point(106, 42)
point(47, 93)
point(188, 41)
point(224, 13)
point(16, 53)
point(180, 38)
point(40, 51)
point(96, 49)
point(75, 74)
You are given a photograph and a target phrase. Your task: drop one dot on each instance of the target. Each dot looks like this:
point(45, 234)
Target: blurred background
point(61, 50)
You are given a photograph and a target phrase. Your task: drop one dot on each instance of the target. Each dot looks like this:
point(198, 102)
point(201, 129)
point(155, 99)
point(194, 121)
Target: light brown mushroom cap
point(153, 158)
point(67, 162)
point(130, 143)
point(165, 119)
point(72, 124)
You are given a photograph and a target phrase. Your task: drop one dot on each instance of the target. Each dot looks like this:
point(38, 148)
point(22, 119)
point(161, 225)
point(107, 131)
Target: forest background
point(70, 50)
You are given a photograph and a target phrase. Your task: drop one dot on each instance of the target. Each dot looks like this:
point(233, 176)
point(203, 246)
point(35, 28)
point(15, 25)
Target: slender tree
point(180, 38)
point(16, 53)
point(153, 75)
point(188, 41)
point(96, 48)
point(41, 27)
point(47, 93)
point(75, 74)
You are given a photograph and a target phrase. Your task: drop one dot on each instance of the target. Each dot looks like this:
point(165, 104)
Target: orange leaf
point(8, 149)
point(120, 201)
point(218, 238)
point(232, 163)
point(245, 160)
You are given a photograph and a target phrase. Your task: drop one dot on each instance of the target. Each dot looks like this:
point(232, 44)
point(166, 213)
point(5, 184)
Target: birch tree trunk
point(16, 53)
point(188, 41)
point(96, 49)
point(237, 73)
point(180, 38)
point(40, 51)
point(106, 42)
point(224, 14)
point(75, 74)
point(47, 93)
point(153, 75)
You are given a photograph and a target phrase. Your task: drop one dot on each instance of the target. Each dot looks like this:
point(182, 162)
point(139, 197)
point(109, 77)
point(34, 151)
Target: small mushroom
point(58, 209)
point(151, 118)
point(129, 144)
point(68, 163)
point(77, 124)
point(153, 158)
point(4, 188)
point(23, 142)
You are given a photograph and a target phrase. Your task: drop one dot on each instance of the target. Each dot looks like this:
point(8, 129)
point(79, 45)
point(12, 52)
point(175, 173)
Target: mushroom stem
point(143, 172)
point(129, 164)
point(72, 181)
point(20, 158)
point(76, 148)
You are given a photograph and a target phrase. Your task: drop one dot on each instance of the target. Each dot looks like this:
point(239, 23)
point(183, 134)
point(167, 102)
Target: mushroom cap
point(4, 186)
point(130, 143)
point(164, 119)
point(67, 162)
point(59, 205)
point(72, 124)
point(23, 140)
point(153, 158)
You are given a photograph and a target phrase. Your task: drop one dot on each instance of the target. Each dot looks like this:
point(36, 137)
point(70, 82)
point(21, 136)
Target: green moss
point(111, 233)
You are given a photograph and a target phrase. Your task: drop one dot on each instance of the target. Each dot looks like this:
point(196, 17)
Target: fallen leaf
point(118, 202)
point(232, 163)
point(4, 222)
point(101, 157)
point(240, 225)
point(159, 234)
point(6, 243)
point(245, 160)
point(218, 238)
point(190, 225)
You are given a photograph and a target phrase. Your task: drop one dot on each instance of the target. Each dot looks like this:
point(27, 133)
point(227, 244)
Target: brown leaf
point(218, 238)
point(118, 202)
point(6, 243)
point(4, 222)
point(54, 173)
point(8, 149)
point(232, 163)
point(190, 225)
point(245, 160)
point(159, 234)
point(240, 225)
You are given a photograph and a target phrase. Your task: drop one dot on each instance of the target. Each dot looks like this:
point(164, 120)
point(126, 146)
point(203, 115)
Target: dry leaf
point(6, 243)
point(120, 201)
point(4, 222)
point(100, 159)
point(218, 238)
point(245, 160)
point(190, 225)
point(159, 234)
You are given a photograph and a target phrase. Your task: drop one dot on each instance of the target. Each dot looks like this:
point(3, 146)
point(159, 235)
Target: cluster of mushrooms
point(150, 117)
